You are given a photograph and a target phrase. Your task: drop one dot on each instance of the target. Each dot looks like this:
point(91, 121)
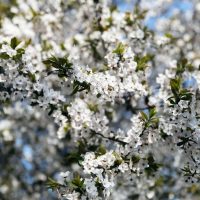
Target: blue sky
point(182, 5)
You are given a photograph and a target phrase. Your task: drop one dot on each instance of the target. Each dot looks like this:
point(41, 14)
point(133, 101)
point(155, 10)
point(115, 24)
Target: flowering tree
point(110, 104)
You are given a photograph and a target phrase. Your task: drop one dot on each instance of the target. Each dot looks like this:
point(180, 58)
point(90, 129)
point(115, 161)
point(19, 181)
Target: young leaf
point(62, 65)
point(120, 49)
point(4, 56)
point(142, 62)
point(52, 184)
point(77, 182)
point(175, 85)
point(80, 86)
point(14, 42)
point(144, 116)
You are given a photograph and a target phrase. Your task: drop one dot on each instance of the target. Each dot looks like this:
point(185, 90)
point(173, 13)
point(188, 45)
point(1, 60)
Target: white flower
point(7, 49)
point(90, 187)
point(150, 194)
point(128, 54)
point(108, 183)
point(106, 160)
point(65, 174)
point(72, 196)
point(123, 167)
point(80, 114)
point(139, 34)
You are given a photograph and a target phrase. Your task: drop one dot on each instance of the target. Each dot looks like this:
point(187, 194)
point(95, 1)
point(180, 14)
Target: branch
point(111, 138)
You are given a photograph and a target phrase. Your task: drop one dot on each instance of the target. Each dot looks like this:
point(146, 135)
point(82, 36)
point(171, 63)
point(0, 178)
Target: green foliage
point(19, 54)
point(4, 56)
point(183, 65)
point(46, 46)
point(93, 107)
point(2, 71)
point(52, 108)
point(97, 26)
point(152, 165)
point(171, 38)
point(169, 35)
point(135, 159)
point(159, 182)
point(14, 42)
point(93, 47)
point(101, 150)
point(139, 13)
point(98, 95)
point(189, 172)
point(73, 157)
point(163, 134)
point(80, 86)
point(5, 9)
point(119, 49)
point(184, 141)
point(178, 92)
point(150, 119)
point(194, 189)
point(118, 160)
point(128, 19)
point(175, 85)
point(32, 77)
point(142, 62)
point(52, 184)
point(78, 183)
point(62, 65)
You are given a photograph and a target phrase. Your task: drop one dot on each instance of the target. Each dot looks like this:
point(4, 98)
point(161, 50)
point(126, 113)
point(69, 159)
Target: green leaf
point(93, 47)
point(183, 65)
point(101, 150)
point(52, 109)
point(2, 71)
point(120, 49)
point(163, 134)
point(150, 119)
point(77, 182)
point(175, 85)
point(171, 100)
point(159, 182)
point(152, 165)
point(169, 35)
point(62, 65)
point(184, 140)
point(135, 159)
point(73, 157)
point(52, 184)
point(142, 62)
point(80, 86)
point(14, 42)
point(144, 116)
point(98, 95)
point(32, 77)
point(93, 107)
point(4, 56)
point(152, 112)
point(60, 62)
point(128, 19)
point(150, 159)
point(178, 92)
point(19, 54)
